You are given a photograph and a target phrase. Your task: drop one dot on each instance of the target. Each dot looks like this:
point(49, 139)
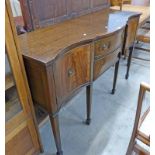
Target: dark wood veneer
point(71, 71)
point(102, 64)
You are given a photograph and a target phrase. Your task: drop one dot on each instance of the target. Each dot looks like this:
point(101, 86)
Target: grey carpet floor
point(112, 115)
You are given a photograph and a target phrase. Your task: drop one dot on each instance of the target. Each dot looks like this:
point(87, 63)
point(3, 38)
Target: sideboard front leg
point(56, 133)
point(89, 103)
point(115, 76)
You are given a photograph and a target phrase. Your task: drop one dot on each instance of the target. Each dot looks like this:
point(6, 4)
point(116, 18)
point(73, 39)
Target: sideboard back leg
point(115, 75)
point(56, 133)
point(89, 102)
point(129, 61)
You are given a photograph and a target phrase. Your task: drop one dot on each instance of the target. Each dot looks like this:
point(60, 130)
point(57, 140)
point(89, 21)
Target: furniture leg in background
point(129, 61)
point(89, 90)
point(115, 75)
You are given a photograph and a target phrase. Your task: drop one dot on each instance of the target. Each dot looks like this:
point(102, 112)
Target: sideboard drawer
point(108, 44)
point(72, 71)
point(102, 64)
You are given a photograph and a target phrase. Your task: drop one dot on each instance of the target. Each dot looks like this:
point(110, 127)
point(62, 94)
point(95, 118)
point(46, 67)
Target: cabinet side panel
point(39, 86)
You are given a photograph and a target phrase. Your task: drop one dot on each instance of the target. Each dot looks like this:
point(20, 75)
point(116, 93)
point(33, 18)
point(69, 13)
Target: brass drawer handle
point(105, 46)
point(71, 72)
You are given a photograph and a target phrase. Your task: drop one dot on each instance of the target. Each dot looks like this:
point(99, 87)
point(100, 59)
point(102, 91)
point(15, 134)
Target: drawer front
point(102, 64)
point(108, 44)
point(72, 71)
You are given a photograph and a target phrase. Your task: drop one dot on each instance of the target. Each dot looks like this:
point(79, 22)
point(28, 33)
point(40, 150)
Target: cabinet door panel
point(71, 72)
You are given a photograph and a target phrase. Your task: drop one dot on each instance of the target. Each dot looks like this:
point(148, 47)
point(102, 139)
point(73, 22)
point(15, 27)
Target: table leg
point(115, 75)
point(129, 61)
point(56, 133)
point(89, 103)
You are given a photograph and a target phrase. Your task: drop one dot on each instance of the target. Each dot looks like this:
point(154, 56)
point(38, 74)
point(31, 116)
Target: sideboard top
point(45, 44)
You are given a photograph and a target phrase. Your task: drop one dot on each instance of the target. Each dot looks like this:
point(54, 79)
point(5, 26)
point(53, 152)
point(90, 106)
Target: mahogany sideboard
point(62, 58)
